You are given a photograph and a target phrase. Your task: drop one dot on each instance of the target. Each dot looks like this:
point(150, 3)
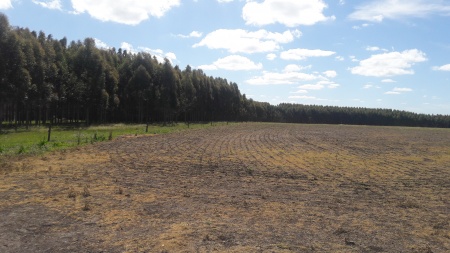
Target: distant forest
point(44, 80)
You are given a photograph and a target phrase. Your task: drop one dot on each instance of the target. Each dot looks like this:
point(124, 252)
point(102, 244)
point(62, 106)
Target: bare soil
point(238, 188)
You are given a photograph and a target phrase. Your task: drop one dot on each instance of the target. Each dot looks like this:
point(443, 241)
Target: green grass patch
point(34, 140)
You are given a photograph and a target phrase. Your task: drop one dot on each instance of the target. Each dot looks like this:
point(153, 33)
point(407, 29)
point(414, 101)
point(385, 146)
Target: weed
point(72, 194)
point(57, 144)
point(408, 204)
point(42, 144)
point(21, 149)
point(110, 136)
point(340, 231)
point(86, 206)
point(250, 171)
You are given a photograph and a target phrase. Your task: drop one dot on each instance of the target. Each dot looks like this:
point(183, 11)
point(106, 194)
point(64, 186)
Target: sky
point(391, 54)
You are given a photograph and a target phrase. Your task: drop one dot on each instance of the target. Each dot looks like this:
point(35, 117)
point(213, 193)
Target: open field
point(238, 188)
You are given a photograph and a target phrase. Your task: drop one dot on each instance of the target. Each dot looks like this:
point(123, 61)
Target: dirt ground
point(237, 188)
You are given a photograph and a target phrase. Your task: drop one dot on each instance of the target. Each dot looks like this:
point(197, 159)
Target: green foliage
point(21, 149)
point(42, 144)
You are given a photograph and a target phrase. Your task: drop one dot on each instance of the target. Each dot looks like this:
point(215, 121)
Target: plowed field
point(237, 188)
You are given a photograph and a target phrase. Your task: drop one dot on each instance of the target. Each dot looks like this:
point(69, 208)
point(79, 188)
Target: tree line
point(44, 80)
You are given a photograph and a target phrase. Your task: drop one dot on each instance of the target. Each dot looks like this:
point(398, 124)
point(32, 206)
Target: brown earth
point(237, 188)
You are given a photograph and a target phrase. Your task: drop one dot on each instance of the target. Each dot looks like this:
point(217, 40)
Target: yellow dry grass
point(239, 188)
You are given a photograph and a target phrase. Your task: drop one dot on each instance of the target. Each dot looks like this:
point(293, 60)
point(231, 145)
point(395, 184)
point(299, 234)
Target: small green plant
point(249, 171)
point(110, 137)
point(57, 144)
point(21, 149)
point(41, 144)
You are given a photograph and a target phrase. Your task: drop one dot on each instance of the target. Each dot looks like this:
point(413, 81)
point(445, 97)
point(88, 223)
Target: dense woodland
point(44, 80)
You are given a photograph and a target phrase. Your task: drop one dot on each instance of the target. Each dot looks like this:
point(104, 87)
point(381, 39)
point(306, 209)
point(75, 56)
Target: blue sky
point(366, 53)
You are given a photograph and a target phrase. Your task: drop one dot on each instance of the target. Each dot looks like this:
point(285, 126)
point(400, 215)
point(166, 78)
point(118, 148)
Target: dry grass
point(239, 188)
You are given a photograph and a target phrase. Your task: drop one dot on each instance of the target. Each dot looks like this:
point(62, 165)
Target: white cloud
point(157, 53)
point(171, 56)
point(367, 86)
point(378, 10)
point(5, 4)
point(397, 91)
point(295, 68)
point(127, 46)
point(369, 48)
point(303, 97)
point(402, 89)
point(353, 58)
point(193, 34)
point(330, 73)
point(287, 12)
point(232, 62)
point(333, 85)
point(388, 81)
point(357, 27)
point(442, 68)
point(389, 64)
point(242, 41)
point(130, 12)
point(339, 58)
point(271, 56)
point(101, 44)
point(290, 75)
point(319, 85)
point(225, 1)
point(300, 92)
point(310, 98)
point(49, 4)
point(302, 54)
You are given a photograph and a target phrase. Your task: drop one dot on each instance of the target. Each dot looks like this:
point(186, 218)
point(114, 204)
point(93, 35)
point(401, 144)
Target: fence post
point(49, 132)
